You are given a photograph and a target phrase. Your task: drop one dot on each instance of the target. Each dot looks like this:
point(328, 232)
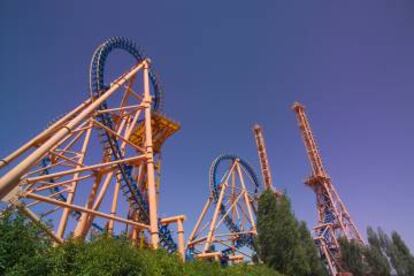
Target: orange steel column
point(107, 181)
point(64, 219)
point(334, 220)
point(180, 237)
point(80, 230)
point(308, 138)
point(200, 218)
point(152, 189)
point(179, 220)
point(264, 160)
point(114, 206)
point(246, 198)
point(211, 231)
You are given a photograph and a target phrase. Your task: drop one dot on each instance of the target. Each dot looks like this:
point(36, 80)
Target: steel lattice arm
point(334, 220)
point(308, 138)
point(264, 160)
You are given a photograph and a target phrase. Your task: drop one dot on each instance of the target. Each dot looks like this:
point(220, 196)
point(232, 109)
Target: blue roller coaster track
point(97, 85)
point(215, 181)
point(110, 144)
point(124, 173)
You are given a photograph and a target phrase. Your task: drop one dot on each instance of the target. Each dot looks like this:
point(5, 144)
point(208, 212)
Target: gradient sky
point(227, 64)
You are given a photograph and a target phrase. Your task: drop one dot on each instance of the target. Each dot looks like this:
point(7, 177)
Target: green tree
point(375, 258)
point(352, 257)
point(376, 263)
point(112, 256)
point(22, 246)
point(248, 270)
point(279, 242)
point(404, 259)
point(397, 252)
point(380, 256)
point(25, 250)
point(64, 258)
point(311, 251)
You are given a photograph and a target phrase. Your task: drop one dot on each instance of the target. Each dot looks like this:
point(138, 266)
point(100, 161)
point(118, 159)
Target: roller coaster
point(226, 232)
point(62, 178)
point(57, 168)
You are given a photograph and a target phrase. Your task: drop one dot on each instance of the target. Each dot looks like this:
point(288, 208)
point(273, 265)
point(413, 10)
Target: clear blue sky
point(227, 64)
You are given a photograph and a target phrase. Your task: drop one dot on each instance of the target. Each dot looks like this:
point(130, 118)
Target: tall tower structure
point(96, 168)
point(264, 161)
point(334, 220)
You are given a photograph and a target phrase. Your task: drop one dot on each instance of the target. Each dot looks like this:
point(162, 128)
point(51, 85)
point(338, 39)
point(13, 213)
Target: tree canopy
point(282, 242)
point(381, 256)
point(24, 250)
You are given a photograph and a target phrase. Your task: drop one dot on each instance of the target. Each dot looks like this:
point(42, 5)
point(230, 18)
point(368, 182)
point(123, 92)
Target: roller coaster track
point(215, 181)
point(97, 86)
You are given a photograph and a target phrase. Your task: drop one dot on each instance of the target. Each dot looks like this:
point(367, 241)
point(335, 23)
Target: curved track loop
point(124, 173)
point(215, 181)
point(97, 68)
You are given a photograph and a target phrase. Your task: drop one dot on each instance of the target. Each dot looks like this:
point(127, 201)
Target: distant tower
point(334, 219)
point(264, 161)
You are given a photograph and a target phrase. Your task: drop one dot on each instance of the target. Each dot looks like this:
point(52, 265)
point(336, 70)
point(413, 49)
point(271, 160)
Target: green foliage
point(249, 270)
point(266, 241)
point(403, 255)
point(112, 256)
point(374, 256)
point(311, 251)
point(24, 250)
point(397, 252)
point(376, 262)
point(203, 268)
point(64, 258)
point(21, 246)
point(206, 268)
point(282, 243)
point(352, 257)
point(379, 257)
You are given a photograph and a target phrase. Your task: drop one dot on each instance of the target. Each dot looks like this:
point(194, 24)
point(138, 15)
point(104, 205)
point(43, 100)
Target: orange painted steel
point(334, 220)
point(264, 160)
point(211, 237)
point(62, 176)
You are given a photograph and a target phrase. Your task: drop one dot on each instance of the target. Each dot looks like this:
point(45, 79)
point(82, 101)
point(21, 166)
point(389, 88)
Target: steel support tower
point(264, 160)
point(334, 220)
point(97, 167)
point(226, 226)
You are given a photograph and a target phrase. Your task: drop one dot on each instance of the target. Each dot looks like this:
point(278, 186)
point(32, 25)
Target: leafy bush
point(22, 246)
point(24, 250)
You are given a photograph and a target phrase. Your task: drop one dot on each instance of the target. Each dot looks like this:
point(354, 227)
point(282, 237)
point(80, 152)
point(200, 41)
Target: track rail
point(97, 85)
point(215, 181)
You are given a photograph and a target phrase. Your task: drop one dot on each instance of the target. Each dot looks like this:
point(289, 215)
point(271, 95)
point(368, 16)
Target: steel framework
point(226, 225)
point(97, 167)
point(264, 161)
point(334, 220)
